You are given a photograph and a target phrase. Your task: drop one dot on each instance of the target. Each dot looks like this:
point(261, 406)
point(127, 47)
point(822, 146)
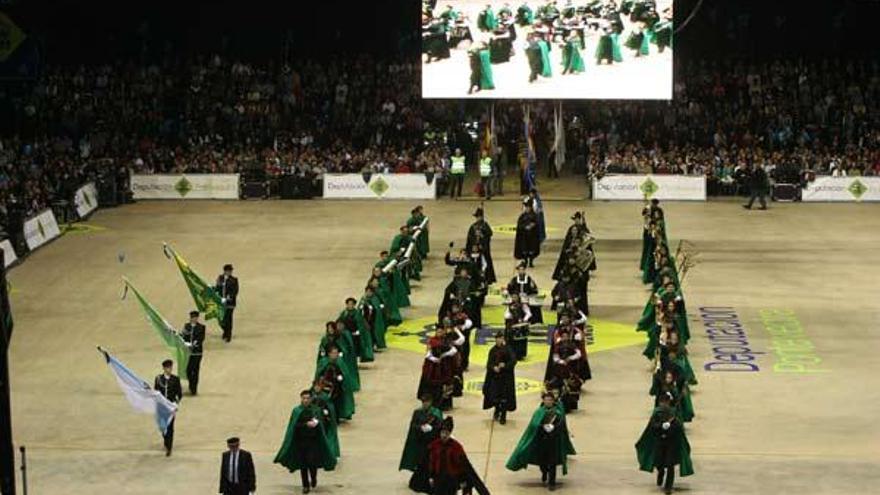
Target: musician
point(439, 370)
point(306, 447)
point(505, 14)
point(670, 382)
point(481, 68)
point(574, 322)
point(336, 337)
point(424, 428)
point(193, 335)
point(578, 231)
point(373, 309)
point(663, 445)
point(524, 15)
point(227, 287)
point(463, 290)
point(564, 375)
point(527, 245)
point(486, 20)
point(382, 287)
point(435, 42)
point(168, 384)
point(499, 385)
point(449, 466)
point(525, 287)
point(418, 223)
point(334, 370)
point(572, 62)
point(480, 234)
point(353, 320)
point(759, 186)
point(321, 393)
point(516, 326)
point(545, 443)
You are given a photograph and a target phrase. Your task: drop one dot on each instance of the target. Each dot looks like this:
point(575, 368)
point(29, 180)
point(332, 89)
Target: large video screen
point(539, 49)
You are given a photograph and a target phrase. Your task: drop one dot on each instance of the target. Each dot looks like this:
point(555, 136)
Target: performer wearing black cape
point(527, 245)
point(499, 386)
point(424, 428)
point(449, 467)
point(579, 227)
point(480, 233)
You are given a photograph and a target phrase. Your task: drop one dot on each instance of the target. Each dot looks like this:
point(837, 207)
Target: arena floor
point(804, 423)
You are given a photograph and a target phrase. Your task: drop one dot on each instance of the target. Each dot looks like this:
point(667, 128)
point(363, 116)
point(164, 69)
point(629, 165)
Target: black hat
point(193, 313)
point(232, 440)
point(655, 201)
point(167, 363)
point(426, 397)
point(576, 215)
point(499, 333)
point(227, 267)
point(527, 201)
point(522, 264)
point(350, 299)
point(478, 212)
point(448, 424)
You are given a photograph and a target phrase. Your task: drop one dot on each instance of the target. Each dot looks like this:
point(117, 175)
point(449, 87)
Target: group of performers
point(567, 26)
point(311, 441)
point(663, 444)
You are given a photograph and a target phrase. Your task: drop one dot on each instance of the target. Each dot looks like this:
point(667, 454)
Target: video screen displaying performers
point(551, 49)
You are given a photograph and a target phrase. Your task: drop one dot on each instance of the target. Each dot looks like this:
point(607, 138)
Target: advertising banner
point(637, 187)
point(185, 186)
point(86, 200)
point(379, 186)
point(850, 189)
point(40, 229)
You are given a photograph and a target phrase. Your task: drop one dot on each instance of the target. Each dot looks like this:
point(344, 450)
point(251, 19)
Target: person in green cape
point(374, 313)
point(418, 223)
point(334, 336)
point(394, 277)
point(505, 12)
point(524, 15)
point(400, 248)
point(321, 398)
point(382, 288)
point(673, 353)
point(605, 49)
point(481, 68)
point(572, 62)
point(354, 321)
point(305, 447)
point(638, 41)
point(486, 20)
point(424, 428)
point(546, 66)
point(668, 381)
point(545, 443)
point(450, 15)
point(663, 32)
point(663, 445)
point(333, 370)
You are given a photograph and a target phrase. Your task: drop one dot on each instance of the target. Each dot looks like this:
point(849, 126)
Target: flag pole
point(7, 452)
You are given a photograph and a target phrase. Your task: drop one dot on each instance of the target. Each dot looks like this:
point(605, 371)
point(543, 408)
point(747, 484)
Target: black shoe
point(552, 486)
point(306, 489)
point(667, 491)
point(167, 451)
point(762, 208)
point(660, 478)
point(544, 477)
point(503, 419)
point(747, 207)
point(314, 482)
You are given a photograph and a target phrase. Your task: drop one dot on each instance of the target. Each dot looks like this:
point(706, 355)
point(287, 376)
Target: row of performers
point(663, 445)
point(311, 441)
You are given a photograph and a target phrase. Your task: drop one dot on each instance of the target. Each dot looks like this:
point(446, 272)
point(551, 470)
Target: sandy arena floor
point(775, 431)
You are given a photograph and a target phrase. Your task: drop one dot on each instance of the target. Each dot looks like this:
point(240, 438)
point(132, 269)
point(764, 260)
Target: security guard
point(457, 171)
point(486, 175)
point(193, 334)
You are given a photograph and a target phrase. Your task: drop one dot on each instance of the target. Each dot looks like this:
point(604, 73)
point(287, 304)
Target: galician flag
point(180, 352)
point(140, 395)
point(204, 295)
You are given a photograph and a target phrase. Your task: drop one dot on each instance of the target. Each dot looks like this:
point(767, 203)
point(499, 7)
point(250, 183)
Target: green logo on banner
point(183, 187)
point(87, 200)
point(379, 186)
point(857, 189)
point(649, 187)
point(40, 228)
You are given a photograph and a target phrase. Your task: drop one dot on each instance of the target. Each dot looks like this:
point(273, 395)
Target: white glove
point(356, 333)
point(666, 425)
point(338, 378)
point(426, 428)
point(340, 354)
point(312, 423)
point(433, 359)
point(223, 300)
point(548, 427)
point(326, 412)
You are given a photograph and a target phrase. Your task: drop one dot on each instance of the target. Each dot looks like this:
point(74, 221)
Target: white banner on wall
point(10, 258)
point(384, 186)
point(843, 189)
point(637, 187)
point(40, 229)
point(86, 199)
point(185, 186)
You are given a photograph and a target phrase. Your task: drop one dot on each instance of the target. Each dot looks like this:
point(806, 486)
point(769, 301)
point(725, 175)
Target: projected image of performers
point(553, 49)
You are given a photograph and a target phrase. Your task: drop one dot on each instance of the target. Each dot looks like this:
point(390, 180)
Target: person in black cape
point(499, 386)
point(527, 245)
point(480, 233)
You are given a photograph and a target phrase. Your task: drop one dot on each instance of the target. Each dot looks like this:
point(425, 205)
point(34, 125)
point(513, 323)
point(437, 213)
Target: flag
point(180, 352)
point(559, 142)
point(204, 295)
point(140, 395)
point(531, 182)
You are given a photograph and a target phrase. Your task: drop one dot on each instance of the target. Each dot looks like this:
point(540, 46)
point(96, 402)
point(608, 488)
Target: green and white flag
point(206, 298)
point(180, 352)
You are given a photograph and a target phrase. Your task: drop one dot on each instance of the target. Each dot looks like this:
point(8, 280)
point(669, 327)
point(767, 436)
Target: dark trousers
point(487, 186)
point(669, 477)
point(445, 485)
point(466, 349)
point(309, 476)
point(192, 373)
point(235, 489)
point(169, 436)
point(226, 324)
point(761, 196)
point(457, 183)
point(549, 472)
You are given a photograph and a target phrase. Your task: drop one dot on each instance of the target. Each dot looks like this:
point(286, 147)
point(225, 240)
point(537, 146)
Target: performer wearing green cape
point(545, 443)
point(321, 398)
point(374, 313)
point(481, 68)
point(486, 20)
point(424, 428)
point(663, 34)
point(663, 445)
point(305, 447)
point(605, 48)
point(393, 279)
point(674, 353)
point(400, 245)
point(332, 369)
point(380, 286)
point(546, 70)
point(417, 223)
point(354, 321)
point(524, 15)
point(669, 382)
point(341, 339)
point(572, 62)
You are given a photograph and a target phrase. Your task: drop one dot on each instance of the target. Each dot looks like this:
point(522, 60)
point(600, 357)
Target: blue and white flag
point(140, 395)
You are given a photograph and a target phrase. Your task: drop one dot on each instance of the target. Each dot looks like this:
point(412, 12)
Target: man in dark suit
point(168, 385)
point(193, 334)
point(227, 287)
point(759, 186)
point(237, 475)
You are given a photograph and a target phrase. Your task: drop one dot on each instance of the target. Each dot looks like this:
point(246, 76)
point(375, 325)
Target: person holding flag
point(168, 384)
point(227, 287)
point(193, 334)
point(206, 297)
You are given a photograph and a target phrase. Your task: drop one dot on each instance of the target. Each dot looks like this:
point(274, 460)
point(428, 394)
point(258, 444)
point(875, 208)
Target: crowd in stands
point(360, 114)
